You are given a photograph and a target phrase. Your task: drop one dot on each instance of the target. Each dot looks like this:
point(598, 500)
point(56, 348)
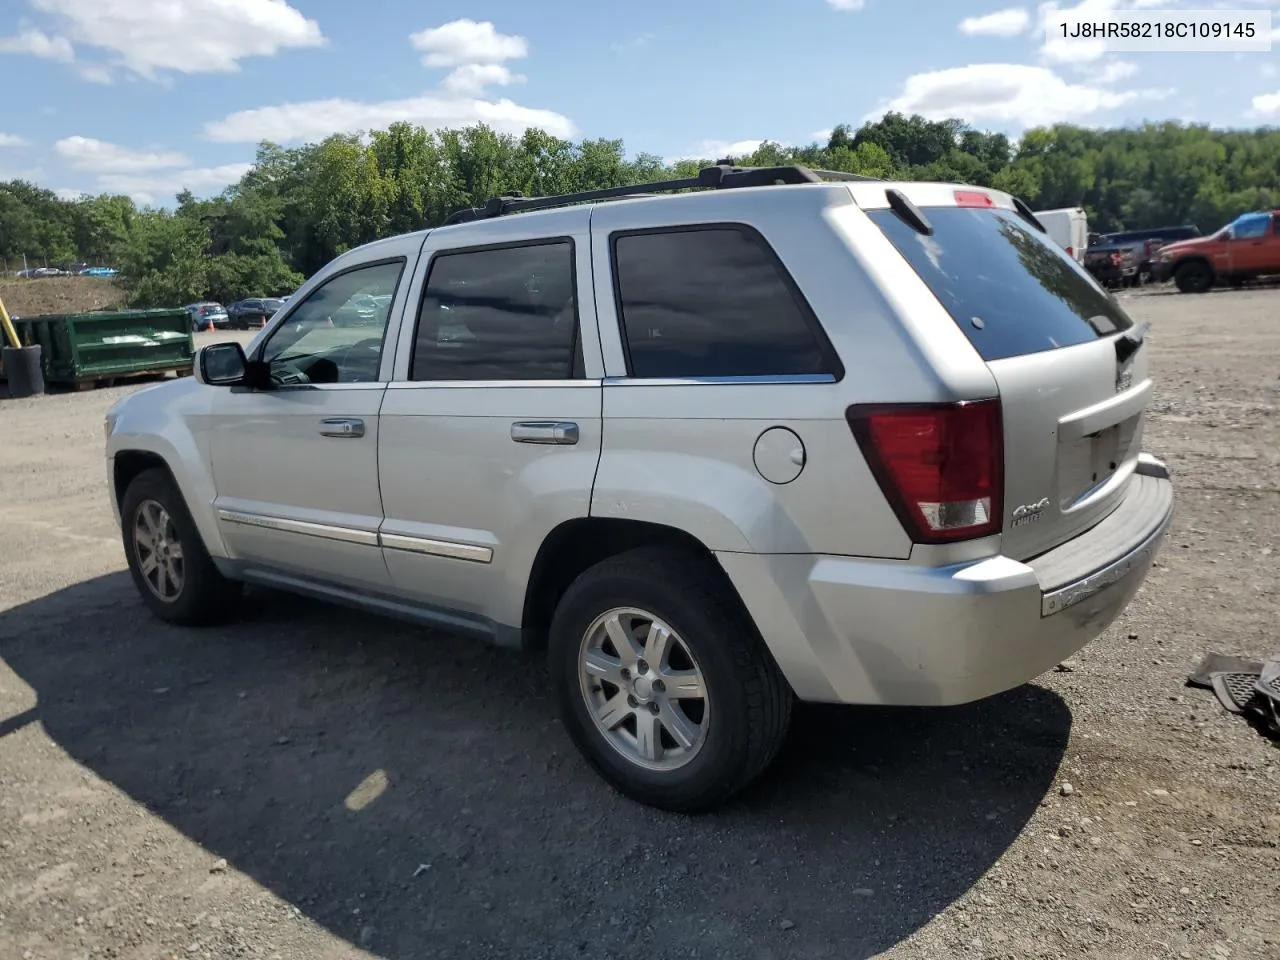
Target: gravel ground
point(312, 783)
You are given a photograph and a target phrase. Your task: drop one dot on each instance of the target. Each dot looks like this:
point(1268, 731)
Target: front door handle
point(544, 431)
point(342, 427)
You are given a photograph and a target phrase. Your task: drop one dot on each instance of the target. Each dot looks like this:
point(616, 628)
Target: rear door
point(490, 430)
point(1071, 371)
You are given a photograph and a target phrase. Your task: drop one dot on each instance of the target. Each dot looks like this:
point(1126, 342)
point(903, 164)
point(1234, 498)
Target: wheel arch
point(576, 545)
point(129, 463)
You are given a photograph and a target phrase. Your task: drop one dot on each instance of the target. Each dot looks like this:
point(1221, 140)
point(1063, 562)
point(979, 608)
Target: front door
point(1255, 245)
point(295, 467)
point(491, 426)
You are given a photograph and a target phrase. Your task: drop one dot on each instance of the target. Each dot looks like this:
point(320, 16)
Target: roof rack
point(722, 176)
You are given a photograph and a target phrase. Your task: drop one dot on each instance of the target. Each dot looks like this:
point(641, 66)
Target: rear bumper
point(849, 630)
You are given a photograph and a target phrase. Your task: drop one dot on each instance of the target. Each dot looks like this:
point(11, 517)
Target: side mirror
point(221, 364)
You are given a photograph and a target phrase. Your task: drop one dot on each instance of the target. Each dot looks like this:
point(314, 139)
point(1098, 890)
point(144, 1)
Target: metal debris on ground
point(1249, 688)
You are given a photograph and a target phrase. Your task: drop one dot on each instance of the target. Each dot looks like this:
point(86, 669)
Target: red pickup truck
point(1247, 247)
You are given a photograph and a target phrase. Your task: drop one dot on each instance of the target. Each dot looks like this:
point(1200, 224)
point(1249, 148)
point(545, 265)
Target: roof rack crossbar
point(723, 175)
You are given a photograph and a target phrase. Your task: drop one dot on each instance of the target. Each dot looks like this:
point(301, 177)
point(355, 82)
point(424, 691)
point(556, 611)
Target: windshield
point(1010, 288)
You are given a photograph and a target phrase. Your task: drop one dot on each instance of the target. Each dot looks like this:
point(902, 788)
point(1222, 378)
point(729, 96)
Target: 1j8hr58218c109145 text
point(1156, 30)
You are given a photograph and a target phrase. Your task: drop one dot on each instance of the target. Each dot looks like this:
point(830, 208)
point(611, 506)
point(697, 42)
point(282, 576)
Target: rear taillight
point(1070, 252)
point(940, 466)
point(1146, 249)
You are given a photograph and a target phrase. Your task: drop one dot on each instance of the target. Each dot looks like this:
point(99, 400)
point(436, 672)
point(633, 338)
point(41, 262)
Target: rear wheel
point(167, 559)
point(1195, 276)
point(663, 682)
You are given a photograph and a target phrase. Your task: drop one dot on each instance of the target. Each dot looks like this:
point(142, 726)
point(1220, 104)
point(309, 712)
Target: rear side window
point(713, 302)
point(1006, 285)
point(505, 313)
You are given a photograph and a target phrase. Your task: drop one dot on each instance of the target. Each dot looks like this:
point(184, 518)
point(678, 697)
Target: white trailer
point(1069, 227)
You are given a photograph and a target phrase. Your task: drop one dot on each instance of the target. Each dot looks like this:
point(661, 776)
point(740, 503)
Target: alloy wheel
point(643, 689)
point(158, 550)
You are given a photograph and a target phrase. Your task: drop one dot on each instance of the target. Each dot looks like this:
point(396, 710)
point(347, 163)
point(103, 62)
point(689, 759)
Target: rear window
point(1007, 286)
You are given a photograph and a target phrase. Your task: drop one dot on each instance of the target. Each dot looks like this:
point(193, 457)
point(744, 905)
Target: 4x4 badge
point(1029, 512)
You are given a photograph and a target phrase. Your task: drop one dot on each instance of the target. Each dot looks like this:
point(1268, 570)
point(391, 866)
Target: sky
point(147, 97)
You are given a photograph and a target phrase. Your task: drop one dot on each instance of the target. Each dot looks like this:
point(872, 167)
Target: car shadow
point(406, 789)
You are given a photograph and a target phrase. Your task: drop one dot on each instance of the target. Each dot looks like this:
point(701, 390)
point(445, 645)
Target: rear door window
point(500, 313)
point(1007, 286)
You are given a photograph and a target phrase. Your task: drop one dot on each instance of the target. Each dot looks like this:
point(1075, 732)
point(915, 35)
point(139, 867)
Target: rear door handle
point(544, 431)
point(342, 428)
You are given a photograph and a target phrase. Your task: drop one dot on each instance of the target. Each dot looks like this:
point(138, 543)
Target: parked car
point(1069, 228)
point(715, 450)
point(1112, 264)
point(1139, 248)
point(252, 312)
point(207, 314)
point(1246, 248)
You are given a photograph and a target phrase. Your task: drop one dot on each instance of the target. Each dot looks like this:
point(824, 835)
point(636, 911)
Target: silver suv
point(792, 435)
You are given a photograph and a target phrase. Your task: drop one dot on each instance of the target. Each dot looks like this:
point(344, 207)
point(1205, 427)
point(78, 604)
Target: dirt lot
point(29, 298)
point(312, 783)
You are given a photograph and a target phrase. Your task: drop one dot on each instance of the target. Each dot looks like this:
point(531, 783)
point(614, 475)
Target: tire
point(1195, 276)
point(202, 595)
point(730, 735)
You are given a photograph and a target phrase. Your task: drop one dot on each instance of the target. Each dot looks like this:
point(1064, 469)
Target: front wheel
point(663, 682)
point(167, 559)
point(1194, 277)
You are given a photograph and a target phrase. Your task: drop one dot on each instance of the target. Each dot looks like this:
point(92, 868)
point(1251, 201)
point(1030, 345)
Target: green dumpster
point(82, 348)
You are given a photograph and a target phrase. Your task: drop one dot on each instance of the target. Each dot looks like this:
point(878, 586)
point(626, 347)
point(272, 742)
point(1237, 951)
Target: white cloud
point(316, 119)
point(1001, 23)
point(1267, 70)
point(1114, 71)
point(148, 188)
point(1057, 49)
point(822, 135)
point(1266, 106)
point(466, 41)
point(194, 36)
point(475, 53)
point(719, 149)
point(12, 140)
point(471, 79)
point(1016, 95)
point(66, 193)
point(94, 73)
point(37, 43)
point(29, 174)
point(98, 156)
point(633, 43)
point(847, 4)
